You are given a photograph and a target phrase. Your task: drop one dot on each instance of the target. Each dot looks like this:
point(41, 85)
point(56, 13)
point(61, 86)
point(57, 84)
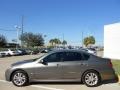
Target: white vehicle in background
point(90, 50)
point(6, 53)
point(2, 54)
point(11, 52)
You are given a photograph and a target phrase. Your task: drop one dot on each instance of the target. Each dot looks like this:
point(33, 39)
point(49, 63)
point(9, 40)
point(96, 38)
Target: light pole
point(45, 40)
point(82, 39)
point(17, 29)
point(22, 27)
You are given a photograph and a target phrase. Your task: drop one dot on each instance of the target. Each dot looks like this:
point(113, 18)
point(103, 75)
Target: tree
point(30, 39)
point(64, 42)
point(52, 42)
point(89, 40)
point(3, 41)
point(55, 41)
point(38, 40)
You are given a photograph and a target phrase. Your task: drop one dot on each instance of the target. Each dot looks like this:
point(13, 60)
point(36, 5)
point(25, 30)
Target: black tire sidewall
point(26, 78)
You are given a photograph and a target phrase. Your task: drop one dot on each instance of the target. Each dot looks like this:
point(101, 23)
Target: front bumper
point(8, 75)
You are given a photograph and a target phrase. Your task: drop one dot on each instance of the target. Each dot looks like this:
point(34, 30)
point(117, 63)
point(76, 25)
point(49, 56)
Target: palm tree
point(57, 41)
point(51, 41)
point(64, 42)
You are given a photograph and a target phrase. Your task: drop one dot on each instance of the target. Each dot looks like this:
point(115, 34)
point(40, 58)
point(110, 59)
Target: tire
point(8, 54)
point(20, 78)
point(91, 78)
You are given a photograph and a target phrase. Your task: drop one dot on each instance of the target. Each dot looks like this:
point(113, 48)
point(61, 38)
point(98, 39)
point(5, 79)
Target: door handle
point(57, 65)
point(83, 64)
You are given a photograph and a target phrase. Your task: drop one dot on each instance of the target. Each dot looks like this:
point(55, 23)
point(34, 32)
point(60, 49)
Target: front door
point(51, 68)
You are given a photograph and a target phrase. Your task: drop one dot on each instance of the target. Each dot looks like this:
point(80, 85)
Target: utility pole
point(63, 40)
point(63, 36)
point(45, 43)
point(17, 38)
point(82, 39)
point(22, 23)
point(22, 28)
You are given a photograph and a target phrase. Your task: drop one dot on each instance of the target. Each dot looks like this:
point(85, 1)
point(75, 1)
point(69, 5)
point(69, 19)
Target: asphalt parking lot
point(4, 85)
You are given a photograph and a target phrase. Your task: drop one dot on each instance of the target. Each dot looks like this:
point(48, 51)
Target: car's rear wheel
point(19, 78)
point(91, 78)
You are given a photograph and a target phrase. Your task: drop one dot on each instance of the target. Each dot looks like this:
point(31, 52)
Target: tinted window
point(72, 56)
point(86, 56)
point(55, 57)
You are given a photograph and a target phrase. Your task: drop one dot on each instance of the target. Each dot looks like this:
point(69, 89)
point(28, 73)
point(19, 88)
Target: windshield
point(39, 57)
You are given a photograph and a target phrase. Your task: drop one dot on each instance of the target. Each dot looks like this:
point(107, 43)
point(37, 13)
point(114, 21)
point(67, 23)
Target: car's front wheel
point(19, 78)
point(91, 78)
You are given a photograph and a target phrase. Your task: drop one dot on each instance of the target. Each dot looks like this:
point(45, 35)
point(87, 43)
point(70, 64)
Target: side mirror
point(43, 62)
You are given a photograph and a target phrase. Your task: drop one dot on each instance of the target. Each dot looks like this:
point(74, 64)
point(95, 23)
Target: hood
point(22, 62)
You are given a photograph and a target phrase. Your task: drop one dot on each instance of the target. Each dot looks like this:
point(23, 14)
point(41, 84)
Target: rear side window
point(72, 56)
point(86, 56)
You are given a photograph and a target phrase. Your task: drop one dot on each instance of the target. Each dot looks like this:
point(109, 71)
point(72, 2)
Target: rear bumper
point(108, 75)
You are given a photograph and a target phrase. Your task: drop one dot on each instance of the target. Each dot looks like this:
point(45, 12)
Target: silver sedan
point(62, 66)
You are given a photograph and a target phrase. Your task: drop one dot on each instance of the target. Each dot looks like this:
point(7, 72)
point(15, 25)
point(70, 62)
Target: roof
point(68, 50)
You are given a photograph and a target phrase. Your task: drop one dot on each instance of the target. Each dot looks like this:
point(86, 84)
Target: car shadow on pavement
point(55, 83)
point(73, 83)
point(115, 80)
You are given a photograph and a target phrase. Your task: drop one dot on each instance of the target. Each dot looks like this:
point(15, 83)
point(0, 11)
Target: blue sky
point(57, 17)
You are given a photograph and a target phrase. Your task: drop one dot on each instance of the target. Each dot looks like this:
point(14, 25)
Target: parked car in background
point(92, 51)
point(44, 51)
point(89, 50)
point(2, 54)
point(22, 52)
point(6, 52)
point(36, 51)
point(62, 65)
point(11, 52)
point(28, 51)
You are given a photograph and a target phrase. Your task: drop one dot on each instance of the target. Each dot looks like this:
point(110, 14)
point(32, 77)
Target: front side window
point(54, 57)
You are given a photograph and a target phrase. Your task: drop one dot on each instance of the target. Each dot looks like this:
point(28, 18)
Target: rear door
point(73, 65)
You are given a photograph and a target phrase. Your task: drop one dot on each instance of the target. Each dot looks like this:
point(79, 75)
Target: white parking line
point(37, 86)
point(3, 81)
point(43, 87)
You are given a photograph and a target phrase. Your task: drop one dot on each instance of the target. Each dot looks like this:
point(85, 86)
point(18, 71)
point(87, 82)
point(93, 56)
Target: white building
point(112, 41)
